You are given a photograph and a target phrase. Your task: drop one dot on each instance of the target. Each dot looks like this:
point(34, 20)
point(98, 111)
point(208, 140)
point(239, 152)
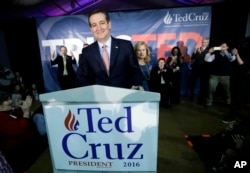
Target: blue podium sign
point(98, 128)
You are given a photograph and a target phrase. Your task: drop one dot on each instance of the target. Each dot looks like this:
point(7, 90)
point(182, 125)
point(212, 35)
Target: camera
point(217, 48)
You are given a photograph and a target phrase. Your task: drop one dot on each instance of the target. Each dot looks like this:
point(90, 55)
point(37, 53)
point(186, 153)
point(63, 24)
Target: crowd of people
point(115, 62)
point(123, 65)
point(129, 66)
point(23, 135)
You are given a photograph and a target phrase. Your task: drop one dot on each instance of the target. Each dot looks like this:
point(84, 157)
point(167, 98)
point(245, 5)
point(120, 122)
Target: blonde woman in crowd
point(143, 56)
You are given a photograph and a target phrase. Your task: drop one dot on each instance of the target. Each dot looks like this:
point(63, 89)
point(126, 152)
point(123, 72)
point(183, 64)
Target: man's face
point(100, 27)
point(161, 64)
point(205, 43)
point(175, 51)
point(224, 47)
point(63, 51)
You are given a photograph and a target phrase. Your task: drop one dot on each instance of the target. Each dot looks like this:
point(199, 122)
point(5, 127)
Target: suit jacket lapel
point(98, 57)
point(114, 51)
point(204, 52)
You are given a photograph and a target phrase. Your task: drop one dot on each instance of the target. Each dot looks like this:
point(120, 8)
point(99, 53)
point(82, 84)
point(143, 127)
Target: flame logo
point(168, 19)
point(70, 122)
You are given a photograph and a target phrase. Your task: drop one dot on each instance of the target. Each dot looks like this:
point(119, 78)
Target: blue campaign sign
point(162, 29)
point(112, 129)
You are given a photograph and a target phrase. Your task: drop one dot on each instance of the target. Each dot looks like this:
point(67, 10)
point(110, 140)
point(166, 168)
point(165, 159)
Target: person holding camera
point(220, 70)
point(240, 84)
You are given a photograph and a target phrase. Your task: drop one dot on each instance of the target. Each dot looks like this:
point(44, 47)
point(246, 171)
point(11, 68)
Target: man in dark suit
point(200, 71)
point(122, 68)
point(65, 73)
point(83, 46)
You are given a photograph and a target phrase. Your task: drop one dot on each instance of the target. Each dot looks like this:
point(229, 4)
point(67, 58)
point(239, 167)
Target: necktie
point(105, 57)
point(65, 72)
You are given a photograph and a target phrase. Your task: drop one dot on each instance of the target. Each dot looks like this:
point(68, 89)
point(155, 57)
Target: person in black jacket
point(239, 85)
point(65, 74)
point(108, 61)
point(200, 72)
point(175, 61)
point(160, 82)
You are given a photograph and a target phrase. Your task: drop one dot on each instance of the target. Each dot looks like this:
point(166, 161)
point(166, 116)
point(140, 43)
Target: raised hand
point(52, 55)
point(238, 139)
point(72, 55)
point(25, 106)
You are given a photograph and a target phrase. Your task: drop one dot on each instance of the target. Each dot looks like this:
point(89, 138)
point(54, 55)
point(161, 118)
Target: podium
point(97, 129)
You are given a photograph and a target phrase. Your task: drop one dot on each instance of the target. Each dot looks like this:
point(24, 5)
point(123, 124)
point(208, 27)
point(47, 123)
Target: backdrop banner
point(162, 29)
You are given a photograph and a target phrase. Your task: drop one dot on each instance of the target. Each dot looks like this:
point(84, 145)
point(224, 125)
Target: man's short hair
point(206, 38)
point(96, 11)
point(162, 58)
